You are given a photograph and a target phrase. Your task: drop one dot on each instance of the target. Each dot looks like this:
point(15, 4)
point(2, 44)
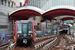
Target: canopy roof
point(26, 12)
point(30, 11)
point(67, 18)
point(59, 11)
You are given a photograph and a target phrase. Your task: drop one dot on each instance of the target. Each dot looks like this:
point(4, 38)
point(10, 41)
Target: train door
point(31, 30)
point(24, 29)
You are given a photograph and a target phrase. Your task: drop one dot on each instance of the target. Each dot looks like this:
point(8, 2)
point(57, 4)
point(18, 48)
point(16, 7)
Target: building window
point(20, 4)
point(3, 26)
point(5, 2)
point(8, 4)
point(2, 2)
point(12, 5)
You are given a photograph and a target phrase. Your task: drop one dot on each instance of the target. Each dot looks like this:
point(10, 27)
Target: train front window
point(65, 26)
point(19, 28)
point(25, 30)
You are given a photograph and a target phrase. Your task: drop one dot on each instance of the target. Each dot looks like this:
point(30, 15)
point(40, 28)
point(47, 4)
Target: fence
point(4, 39)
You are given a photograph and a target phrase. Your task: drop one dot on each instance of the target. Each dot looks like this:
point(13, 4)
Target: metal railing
point(4, 39)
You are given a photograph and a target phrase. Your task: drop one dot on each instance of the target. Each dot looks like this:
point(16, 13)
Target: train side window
point(30, 28)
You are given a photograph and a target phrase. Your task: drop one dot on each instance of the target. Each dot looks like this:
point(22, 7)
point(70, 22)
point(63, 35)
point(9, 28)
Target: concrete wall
point(4, 19)
point(18, 2)
point(0, 2)
point(8, 9)
point(37, 19)
point(6, 4)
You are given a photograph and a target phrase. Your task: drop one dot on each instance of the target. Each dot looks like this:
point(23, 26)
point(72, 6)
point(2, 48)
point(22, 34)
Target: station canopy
point(59, 11)
point(65, 17)
point(25, 12)
point(30, 11)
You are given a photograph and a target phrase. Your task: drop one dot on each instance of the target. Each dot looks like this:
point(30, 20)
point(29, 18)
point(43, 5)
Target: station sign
point(74, 20)
point(43, 26)
point(47, 21)
point(58, 21)
point(48, 24)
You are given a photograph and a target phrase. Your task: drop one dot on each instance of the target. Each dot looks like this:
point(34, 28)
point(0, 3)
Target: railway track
point(23, 48)
point(61, 45)
point(58, 42)
point(37, 44)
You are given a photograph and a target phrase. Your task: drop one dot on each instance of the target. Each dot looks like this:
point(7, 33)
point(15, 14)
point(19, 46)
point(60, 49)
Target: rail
point(46, 44)
point(69, 39)
point(50, 44)
point(42, 38)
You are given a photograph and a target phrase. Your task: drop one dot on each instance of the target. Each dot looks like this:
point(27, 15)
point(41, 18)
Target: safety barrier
point(4, 41)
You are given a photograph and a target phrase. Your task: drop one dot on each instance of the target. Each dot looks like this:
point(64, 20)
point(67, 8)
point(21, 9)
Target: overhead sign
point(47, 21)
point(48, 24)
point(58, 21)
point(74, 20)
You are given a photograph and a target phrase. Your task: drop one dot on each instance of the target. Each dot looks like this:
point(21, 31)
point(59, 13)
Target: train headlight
point(31, 35)
point(18, 35)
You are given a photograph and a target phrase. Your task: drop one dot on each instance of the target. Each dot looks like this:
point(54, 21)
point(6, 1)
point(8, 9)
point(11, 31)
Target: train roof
point(23, 21)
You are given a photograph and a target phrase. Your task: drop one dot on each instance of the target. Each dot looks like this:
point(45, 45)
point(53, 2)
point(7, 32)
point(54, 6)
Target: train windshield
point(65, 26)
point(19, 28)
point(24, 29)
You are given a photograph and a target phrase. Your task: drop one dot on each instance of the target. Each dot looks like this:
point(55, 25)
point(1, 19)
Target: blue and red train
point(24, 32)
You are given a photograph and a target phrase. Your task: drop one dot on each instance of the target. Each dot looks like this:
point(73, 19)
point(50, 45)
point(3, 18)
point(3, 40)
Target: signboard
point(47, 21)
point(74, 20)
point(48, 24)
point(43, 26)
point(58, 21)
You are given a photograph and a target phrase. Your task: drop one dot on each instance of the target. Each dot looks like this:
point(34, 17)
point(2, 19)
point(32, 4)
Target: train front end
point(24, 32)
point(65, 28)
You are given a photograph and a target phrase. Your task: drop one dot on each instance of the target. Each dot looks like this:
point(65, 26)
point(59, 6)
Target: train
point(65, 28)
point(24, 33)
